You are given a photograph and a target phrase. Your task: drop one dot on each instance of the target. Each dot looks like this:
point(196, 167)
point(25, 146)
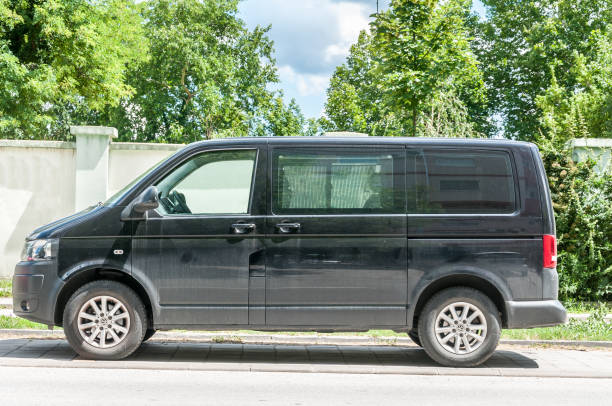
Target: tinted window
point(460, 182)
point(214, 182)
point(337, 181)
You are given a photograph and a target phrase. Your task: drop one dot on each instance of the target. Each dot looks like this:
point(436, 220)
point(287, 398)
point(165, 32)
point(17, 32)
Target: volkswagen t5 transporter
point(447, 240)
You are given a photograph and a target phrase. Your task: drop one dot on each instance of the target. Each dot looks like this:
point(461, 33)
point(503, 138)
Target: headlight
point(37, 250)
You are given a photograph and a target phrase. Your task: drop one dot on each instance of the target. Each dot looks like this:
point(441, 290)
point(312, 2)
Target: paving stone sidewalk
point(410, 360)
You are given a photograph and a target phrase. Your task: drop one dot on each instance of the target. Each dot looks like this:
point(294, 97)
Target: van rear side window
point(460, 182)
point(337, 181)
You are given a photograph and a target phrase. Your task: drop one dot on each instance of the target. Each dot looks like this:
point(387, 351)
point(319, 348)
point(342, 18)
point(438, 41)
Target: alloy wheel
point(103, 321)
point(460, 328)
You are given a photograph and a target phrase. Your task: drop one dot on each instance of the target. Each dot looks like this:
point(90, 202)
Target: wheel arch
point(478, 282)
point(77, 279)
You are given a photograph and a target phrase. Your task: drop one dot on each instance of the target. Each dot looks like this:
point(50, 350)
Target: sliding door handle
point(287, 228)
point(242, 228)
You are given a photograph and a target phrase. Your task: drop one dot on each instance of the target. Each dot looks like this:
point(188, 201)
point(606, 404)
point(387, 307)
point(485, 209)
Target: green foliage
point(285, 120)
point(582, 200)
point(521, 44)
point(207, 74)
point(446, 116)
point(586, 110)
point(583, 214)
point(354, 100)
point(5, 287)
point(414, 75)
point(7, 322)
point(161, 70)
point(60, 56)
point(421, 47)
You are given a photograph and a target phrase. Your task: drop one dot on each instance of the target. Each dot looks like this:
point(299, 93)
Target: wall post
point(92, 145)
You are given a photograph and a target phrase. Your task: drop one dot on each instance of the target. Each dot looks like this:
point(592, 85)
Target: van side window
point(337, 181)
point(214, 182)
point(460, 182)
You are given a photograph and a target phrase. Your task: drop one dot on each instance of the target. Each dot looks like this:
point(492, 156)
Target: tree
point(523, 44)
point(581, 198)
point(584, 111)
point(58, 57)
point(281, 119)
point(207, 76)
point(421, 48)
point(162, 70)
point(415, 74)
point(354, 97)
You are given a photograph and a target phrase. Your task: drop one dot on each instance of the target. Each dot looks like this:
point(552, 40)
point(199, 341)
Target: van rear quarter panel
point(505, 249)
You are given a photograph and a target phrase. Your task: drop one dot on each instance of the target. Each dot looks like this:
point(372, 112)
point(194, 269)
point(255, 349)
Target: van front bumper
point(35, 287)
point(537, 313)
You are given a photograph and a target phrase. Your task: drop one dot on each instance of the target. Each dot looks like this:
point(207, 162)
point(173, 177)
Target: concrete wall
point(127, 160)
point(599, 149)
point(36, 186)
point(39, 183)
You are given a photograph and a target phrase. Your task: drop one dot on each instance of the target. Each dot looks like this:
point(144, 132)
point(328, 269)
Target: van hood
point(56, 228)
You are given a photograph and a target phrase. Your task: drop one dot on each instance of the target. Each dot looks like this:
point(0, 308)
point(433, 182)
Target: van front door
point(196, 252)
point(336, 237)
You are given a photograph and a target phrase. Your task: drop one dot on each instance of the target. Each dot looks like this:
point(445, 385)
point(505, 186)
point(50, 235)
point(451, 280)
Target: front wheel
point(105, 320)
point(150, 332)
point(459, 327)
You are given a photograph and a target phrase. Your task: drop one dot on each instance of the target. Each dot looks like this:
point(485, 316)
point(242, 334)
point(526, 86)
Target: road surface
point(85, 386)
point(35, 371)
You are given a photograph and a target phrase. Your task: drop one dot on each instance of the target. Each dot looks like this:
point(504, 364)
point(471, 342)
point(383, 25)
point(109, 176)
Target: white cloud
point(352, 18)
point(312, 36)
point(306, 84)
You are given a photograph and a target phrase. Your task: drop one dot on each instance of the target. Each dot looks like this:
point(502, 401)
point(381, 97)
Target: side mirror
point(137, 210)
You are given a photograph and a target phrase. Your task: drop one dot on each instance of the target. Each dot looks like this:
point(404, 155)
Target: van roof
point(476, 142)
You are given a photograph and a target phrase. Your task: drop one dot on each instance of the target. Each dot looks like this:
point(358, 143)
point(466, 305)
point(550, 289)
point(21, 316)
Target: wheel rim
point(460, 328)
point(103, 321)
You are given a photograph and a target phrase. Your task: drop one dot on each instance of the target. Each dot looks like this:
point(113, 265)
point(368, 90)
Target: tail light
point(550, 251)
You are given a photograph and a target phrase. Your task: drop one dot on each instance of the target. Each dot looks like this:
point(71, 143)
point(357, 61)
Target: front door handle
point(243, 228)
point(287, 228)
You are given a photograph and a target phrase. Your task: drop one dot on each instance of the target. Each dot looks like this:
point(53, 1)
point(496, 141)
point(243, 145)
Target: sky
point(311, 38)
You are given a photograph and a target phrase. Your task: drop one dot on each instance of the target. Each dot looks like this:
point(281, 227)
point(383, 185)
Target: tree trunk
point(414, 118)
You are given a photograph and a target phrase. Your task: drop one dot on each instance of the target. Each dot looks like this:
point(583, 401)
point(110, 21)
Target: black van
point(447, 240)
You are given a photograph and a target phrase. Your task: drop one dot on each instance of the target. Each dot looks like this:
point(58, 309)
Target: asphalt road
point(84, 386)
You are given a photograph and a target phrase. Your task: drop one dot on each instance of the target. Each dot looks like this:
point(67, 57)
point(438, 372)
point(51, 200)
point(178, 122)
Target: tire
point(449, 347)
point(150, 332)
point(84, 313)
point(414, 336)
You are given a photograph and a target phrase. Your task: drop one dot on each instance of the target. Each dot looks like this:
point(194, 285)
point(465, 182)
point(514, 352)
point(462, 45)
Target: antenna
point(376, 6)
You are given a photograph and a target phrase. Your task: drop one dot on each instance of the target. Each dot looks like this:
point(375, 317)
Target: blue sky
point(311, 38)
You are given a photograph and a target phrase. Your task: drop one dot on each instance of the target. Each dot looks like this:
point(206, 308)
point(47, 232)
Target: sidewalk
point(352, 359)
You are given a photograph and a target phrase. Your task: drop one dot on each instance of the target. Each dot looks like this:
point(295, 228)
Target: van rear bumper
point(537, 313)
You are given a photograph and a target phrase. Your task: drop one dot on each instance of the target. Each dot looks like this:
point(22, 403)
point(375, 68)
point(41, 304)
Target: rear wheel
point(459, 327)
point(105, 320)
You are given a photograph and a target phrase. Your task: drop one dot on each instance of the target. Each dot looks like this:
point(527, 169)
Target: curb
point(302, 368)
point(171, 336)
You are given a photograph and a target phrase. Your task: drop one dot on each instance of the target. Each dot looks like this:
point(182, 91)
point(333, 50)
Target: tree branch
point(189, 94)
